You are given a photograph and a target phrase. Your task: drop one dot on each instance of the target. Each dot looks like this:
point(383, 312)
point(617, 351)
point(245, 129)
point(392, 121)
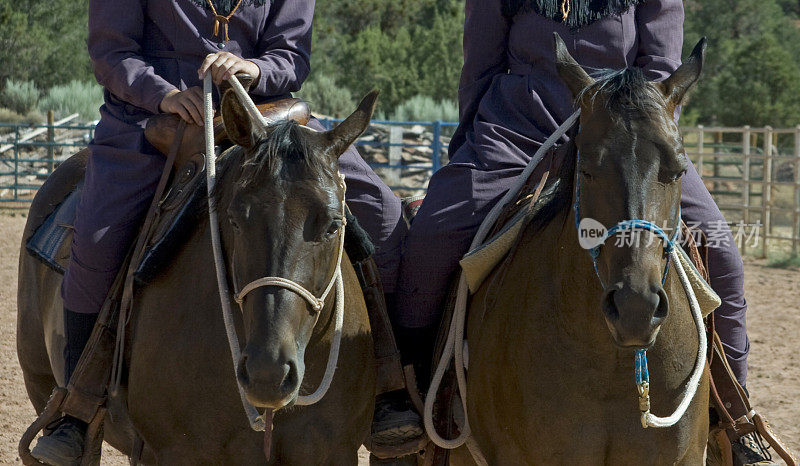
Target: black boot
point(397, 428)
point(64, 445)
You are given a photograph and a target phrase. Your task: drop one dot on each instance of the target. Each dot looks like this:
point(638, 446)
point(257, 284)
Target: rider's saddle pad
point(180, 207)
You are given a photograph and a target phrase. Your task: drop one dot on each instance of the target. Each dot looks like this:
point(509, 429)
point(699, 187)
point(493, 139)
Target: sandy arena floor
point(774, 328)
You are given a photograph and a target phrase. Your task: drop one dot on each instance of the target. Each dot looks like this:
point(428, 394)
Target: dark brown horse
point(280, 205)
point(551, 342)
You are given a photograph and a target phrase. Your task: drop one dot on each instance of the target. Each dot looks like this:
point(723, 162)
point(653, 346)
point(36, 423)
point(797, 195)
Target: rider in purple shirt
point(511, 99)
point(150, 56)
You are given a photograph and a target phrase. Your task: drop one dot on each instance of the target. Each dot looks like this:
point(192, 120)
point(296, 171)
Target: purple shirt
point(141, 50)
point(509, 77)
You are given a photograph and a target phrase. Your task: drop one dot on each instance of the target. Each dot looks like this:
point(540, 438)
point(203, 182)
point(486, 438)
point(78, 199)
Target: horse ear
point(237, 122)
point(341, 137)
point(570, 71)
point(678, 84)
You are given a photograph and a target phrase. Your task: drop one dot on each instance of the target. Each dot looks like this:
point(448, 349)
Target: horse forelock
point(621, 91)
point(285, 154)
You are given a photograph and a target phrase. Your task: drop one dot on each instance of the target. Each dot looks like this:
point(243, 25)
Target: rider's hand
point(188, 104)
point(223, 65)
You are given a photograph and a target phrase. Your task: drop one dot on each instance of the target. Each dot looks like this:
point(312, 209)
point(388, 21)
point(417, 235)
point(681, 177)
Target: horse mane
point(557, 197)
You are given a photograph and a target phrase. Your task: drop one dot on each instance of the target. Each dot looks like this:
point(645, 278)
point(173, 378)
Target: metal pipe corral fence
point(752, 173)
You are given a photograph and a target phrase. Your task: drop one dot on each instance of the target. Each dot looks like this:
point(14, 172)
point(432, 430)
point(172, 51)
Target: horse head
point(630, 163)
point(280, 203)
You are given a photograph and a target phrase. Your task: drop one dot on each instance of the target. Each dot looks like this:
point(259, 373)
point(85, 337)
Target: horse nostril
point(291, 380)
point(610, 307)
point(241, 370)
point(662, 309)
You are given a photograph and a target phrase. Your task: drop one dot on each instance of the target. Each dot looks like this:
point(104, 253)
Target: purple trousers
point(121, 177)
point(461, 194)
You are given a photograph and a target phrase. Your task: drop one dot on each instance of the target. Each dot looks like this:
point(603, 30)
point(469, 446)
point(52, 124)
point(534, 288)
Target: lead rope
point(689, 391)
point(258, 422)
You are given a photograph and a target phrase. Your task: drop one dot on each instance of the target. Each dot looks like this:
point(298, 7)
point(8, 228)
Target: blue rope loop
point(640, 371)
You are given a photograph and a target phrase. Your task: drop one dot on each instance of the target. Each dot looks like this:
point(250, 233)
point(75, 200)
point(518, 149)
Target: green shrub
point(19, 96)
point(423, 108)
point(326, 97)
point(785, 262)
point(10, 116)
point(84, 98)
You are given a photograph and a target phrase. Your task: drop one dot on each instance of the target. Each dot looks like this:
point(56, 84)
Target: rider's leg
point(725, 269)
point(396, 428)
point(121, 177)
point(460, 195)
point(377, 209)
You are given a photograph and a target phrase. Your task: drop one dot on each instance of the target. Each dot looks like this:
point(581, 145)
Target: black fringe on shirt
point(225, 6)
point(581, 12)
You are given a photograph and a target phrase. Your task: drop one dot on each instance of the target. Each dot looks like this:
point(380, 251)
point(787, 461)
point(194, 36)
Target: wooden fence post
point(700, 148)
point(51, 139)
point(796, 205)
point(766, 191)
point(395, 155)
point(746, 184)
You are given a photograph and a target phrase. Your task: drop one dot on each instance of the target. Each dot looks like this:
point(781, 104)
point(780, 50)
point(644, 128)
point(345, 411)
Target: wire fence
point(752, 173)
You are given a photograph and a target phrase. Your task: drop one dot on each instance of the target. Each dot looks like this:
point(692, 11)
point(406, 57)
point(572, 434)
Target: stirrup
point(52, 411)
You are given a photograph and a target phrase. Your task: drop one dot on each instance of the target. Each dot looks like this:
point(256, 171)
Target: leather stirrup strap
point(141, 243)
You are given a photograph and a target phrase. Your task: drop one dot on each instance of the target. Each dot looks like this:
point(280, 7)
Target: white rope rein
point(257, 421)
point(454, 345)
point(690, 389)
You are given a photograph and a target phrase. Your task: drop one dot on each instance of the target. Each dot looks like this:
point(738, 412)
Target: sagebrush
point(424, 108)
point(19, 96)
point(84, 98)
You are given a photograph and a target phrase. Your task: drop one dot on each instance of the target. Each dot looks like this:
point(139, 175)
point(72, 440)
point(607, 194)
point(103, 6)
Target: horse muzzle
point(271, 379)
point(634, 317)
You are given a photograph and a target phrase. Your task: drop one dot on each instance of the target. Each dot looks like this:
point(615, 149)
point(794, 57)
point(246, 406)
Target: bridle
point(641, 372)
point(262, 422)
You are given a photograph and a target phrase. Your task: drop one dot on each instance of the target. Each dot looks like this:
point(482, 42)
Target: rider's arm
point(485, 56)
point(115, 34)
point(659, 27)
point(285, 45)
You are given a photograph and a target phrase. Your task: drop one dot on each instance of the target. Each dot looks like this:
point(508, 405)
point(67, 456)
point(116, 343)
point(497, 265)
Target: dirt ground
point(773, 323)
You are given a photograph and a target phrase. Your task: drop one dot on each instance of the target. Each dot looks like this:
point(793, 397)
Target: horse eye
point(679, 175)
point(333, 228)
point(586, 175)
point(234, 225)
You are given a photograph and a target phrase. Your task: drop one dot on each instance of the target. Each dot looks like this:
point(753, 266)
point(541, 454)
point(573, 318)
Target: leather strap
point(387, 356)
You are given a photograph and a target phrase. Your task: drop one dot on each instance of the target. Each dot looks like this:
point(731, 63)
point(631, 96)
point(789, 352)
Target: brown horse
point(279, 198)
point(551, 341)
